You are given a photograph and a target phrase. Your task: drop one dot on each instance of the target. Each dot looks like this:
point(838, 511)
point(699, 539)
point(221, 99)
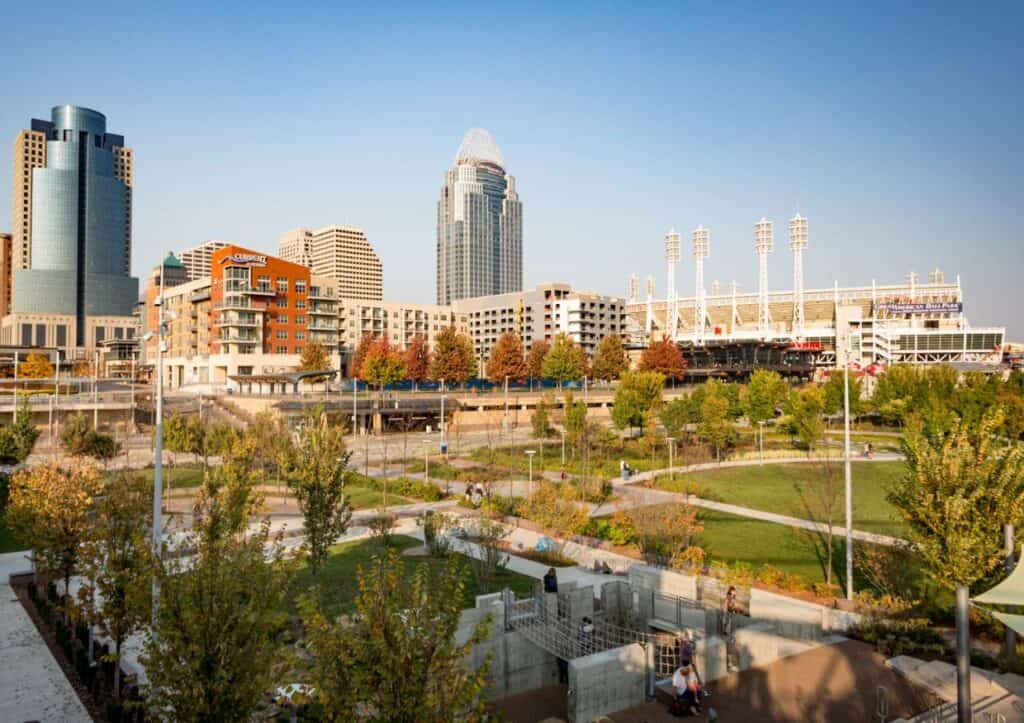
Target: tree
point(317, 475)
point(100, 446)
point(665, 533)
point(663, 357)
point(961, 487)
point(535, 362)
point(355, 368)
point(417, 359)
point(834, 390)
point(715, 426)
point(397, 658)
point(821, 500)
point(764, 393)
point(74, 434)
point(556, 508)
point(507, 360)
point(575, 422)
point(189, 435)
point(675, 415)
point(540, 420)
point(36, 366)
point(610, 359)
point(49, 509)
point(383, 364)
point(638, 395)
point(565, 361)
point(805, 408)
point(454, 360)
point(314, 357)
point(272, 443)
point(22, 432)
point(217, 641)
point(118, 562)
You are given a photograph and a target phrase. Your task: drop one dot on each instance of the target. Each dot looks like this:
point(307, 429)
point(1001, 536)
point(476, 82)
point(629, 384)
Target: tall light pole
point(95, 380)
point(426, 457)
point(158, 462)
point(563, 448)
point(529, 456)
point(760, 429)
point(444, 444)
point(846, 466)
point(671, 466)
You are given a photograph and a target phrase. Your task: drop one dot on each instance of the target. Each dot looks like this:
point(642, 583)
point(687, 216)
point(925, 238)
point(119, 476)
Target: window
point(298, 350)
point(300, 319)
point(62, 334)
point(40, 334)
point(282, 334)
point(300, 287)
point(282, 350)
point(300, 335)
point(282, 286)
point(282, 302)
point(101, 334)
point(282, 318)
point(26, 335)
point(300, 303)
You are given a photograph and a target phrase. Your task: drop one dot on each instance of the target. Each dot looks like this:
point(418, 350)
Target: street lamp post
point(444, 446)
point(671, 466)
point(529, 456)
point(760, 429)
point(846, 464)
point(426, 457)
point(563, 447)
point(158, 462)
point(95, 380)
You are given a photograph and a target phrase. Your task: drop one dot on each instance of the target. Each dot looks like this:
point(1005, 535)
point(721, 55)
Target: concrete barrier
point(663, 581)
point(516, 664)
point(607, 682)
point(792, 618)
point(757, 644)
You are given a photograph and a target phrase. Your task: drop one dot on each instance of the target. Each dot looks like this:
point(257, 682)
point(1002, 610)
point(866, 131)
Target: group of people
point(475, 494)
point(688, 690)
point(624, 469)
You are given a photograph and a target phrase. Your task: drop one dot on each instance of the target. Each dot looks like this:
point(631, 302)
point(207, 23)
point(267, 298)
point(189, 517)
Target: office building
point(541, 314)
point(400, 322)
point(479, 224)
point(6, 243)
point(71, 247)
point(342, 253)
point(196, 260)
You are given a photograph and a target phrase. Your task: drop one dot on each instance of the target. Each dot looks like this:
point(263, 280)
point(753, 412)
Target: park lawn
point(178, 476)
point(773, 488)
point(339, 581)
point(363, 498)
point(730, 538)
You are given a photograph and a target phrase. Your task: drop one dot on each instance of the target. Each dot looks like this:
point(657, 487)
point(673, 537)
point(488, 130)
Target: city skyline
point(620, 127)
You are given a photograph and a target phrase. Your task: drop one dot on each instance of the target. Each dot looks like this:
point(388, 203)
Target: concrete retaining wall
point(663, 581)
point(517, 664)
point(607, 682)
point(757, 644)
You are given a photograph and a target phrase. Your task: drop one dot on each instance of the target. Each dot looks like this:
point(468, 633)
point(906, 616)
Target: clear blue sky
point(896, 129)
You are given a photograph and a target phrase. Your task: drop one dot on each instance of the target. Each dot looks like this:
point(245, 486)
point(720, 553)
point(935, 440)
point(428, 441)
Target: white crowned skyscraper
point(479, 224)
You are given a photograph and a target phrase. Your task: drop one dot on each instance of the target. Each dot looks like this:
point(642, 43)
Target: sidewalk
point(33, 684)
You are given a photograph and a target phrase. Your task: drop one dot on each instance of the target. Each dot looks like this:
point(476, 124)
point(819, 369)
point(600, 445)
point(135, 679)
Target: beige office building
point(29, 154)
point(342, 253)
point(399, 322)
point(541, 313)
point(196, 260)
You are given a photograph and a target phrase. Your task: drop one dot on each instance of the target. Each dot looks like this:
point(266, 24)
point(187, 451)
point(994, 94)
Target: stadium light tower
point(672, 258)
point(700, 309)
point(716, 288)
point(764, 245)
point(634, 287)
point(649, 321)
point(937, 277)
point(797, 244)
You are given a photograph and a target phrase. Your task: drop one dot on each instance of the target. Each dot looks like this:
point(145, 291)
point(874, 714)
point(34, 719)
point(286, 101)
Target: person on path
point(551, 580)
point(586, 636)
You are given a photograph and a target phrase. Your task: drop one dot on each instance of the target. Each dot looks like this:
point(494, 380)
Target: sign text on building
point(245, 259)
point(923, 307)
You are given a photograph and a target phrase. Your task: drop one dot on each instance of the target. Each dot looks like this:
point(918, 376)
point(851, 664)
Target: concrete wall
point(792, 618)
point(516, 663)
point(607, 682)
point(757, 644)
point(663, 581)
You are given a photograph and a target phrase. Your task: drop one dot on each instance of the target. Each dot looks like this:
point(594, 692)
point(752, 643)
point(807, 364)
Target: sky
point(895, 128)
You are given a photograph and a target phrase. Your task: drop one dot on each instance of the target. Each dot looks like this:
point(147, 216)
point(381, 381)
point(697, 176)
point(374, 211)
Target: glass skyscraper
point(479, 224)
point(81, 223)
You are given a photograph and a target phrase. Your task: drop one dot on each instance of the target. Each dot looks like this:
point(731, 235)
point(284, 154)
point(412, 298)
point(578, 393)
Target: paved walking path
point(33, 685)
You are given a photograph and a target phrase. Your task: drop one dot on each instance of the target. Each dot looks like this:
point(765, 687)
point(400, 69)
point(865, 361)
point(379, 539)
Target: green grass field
point(8, 542)
point(773, 488)
point(339, 580)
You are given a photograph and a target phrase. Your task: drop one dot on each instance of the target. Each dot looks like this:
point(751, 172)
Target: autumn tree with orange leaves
point(417, 359)
point(663, 357)
point(507, 360)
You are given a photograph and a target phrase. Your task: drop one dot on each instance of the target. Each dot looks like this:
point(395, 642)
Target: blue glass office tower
point(479, 224)
point(81, 224)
